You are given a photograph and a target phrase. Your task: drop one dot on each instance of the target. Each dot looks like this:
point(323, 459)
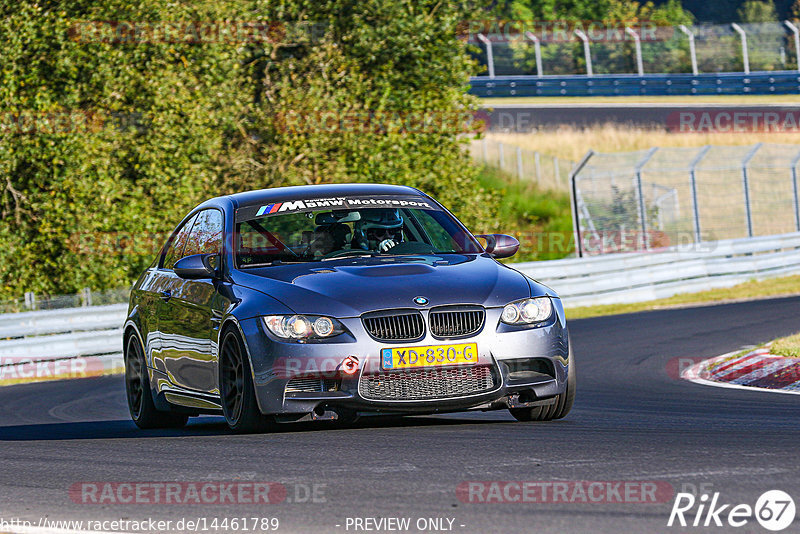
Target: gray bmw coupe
point(334, 301)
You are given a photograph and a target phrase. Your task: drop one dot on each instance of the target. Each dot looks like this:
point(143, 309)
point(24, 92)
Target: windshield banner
point(246, 213)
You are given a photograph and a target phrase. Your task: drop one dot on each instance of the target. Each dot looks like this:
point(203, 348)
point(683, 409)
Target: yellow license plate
point(429, 356)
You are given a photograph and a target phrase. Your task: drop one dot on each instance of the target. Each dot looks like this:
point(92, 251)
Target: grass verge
point(572, 143)
point(774, 287)
point(787, 346)
point(540, 219)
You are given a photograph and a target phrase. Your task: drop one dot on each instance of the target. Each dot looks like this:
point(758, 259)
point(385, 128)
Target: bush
point(131, 134)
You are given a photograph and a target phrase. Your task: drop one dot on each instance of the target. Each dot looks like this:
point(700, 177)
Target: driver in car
point(379, 230)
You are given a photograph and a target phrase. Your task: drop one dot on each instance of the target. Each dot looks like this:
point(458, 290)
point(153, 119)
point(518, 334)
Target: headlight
point(527, 311)
point(303, 326)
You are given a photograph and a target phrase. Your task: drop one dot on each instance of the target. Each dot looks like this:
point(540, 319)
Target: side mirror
point(500, 245)
point(195, 267)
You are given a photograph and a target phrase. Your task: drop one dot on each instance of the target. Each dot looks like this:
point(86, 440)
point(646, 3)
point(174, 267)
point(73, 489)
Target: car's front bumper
point(500, 349)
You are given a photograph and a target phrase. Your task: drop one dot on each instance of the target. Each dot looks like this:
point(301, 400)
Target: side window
point(206, 234)
point(177, 244)
point(438, 235)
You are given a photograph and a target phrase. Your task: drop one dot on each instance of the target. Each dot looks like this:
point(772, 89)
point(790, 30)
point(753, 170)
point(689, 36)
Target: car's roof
point(302, 192)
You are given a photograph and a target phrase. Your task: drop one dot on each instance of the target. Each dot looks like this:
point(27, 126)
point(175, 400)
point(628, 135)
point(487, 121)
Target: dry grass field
point(573, 143)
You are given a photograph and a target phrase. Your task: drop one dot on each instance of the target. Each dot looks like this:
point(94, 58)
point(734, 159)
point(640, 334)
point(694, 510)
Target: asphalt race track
point(631, 421)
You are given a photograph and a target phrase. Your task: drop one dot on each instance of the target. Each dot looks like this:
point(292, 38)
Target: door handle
point(166, 295)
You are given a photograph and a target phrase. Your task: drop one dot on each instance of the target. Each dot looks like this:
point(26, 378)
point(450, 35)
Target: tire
point(236, 389)
point(137, 389)
point(560, 408)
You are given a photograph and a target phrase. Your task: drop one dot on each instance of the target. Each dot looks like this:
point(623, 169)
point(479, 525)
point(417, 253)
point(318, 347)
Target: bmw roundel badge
point(421, 300)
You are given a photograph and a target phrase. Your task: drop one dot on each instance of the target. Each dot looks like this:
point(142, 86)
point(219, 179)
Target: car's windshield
point(305, 235)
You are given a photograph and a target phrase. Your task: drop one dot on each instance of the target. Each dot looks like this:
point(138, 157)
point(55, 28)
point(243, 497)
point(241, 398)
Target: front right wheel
point(560, 408)
point(237, 392)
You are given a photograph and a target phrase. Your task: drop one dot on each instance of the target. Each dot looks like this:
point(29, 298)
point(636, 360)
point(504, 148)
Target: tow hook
point(349, 365)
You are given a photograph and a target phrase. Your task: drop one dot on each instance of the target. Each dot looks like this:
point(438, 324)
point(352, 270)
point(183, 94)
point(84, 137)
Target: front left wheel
point(560, 408)
point(237, 392)
point(137, 388)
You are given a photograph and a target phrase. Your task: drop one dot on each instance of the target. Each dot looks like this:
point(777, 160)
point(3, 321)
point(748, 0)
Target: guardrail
point(636, 277)
point(63, 343)
point(37, 323)
point(754, 83)
point(91, 332)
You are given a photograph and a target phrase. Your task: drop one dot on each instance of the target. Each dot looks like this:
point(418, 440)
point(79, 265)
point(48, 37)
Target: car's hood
point(350, 287)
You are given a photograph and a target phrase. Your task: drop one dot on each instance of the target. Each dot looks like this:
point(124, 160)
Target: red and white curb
point(757, 369)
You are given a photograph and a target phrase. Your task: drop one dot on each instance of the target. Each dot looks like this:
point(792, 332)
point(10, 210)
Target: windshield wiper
point(269, 264)
point(360, 254)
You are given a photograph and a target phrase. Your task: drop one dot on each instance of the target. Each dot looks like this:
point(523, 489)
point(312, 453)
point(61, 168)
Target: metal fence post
point(86, 297)
point(484, 150)
point(796, 32)
point(795, 161)
point(519, 163)
point(693, 180)
point(500, 155)
point(638, 47)
point(30, 300)
point(537, 50)
point(586, 52)
point(537, 161)
point(640, 193)
point(556, 170)
point(746, 187)
point(573, 201)
point(489, 55)
point(692, 52)
point(743, 35)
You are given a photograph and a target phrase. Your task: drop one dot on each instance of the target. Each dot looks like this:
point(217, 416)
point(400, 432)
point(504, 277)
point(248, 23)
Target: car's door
point(160, 284)
point(189, 317)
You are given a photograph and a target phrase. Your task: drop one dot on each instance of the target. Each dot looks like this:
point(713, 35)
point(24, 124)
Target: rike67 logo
point(774, 510)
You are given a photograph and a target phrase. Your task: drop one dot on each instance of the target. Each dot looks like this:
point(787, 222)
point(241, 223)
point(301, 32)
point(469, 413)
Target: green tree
point(757, 11)
point(668, 53)
point(165, 123)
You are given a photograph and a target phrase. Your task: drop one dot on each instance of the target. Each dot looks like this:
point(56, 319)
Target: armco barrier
point(607, 279)
point(35, 323)
point(636, 277)
point(737, 83)
point(36, 345)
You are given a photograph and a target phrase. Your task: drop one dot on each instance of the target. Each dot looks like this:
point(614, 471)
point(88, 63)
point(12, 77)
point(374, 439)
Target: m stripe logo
point(269, 208)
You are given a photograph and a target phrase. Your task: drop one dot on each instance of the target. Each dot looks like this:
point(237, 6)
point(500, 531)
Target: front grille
point(423, 384)
point(456, 321)
point(311, 385)
point(394, 325)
